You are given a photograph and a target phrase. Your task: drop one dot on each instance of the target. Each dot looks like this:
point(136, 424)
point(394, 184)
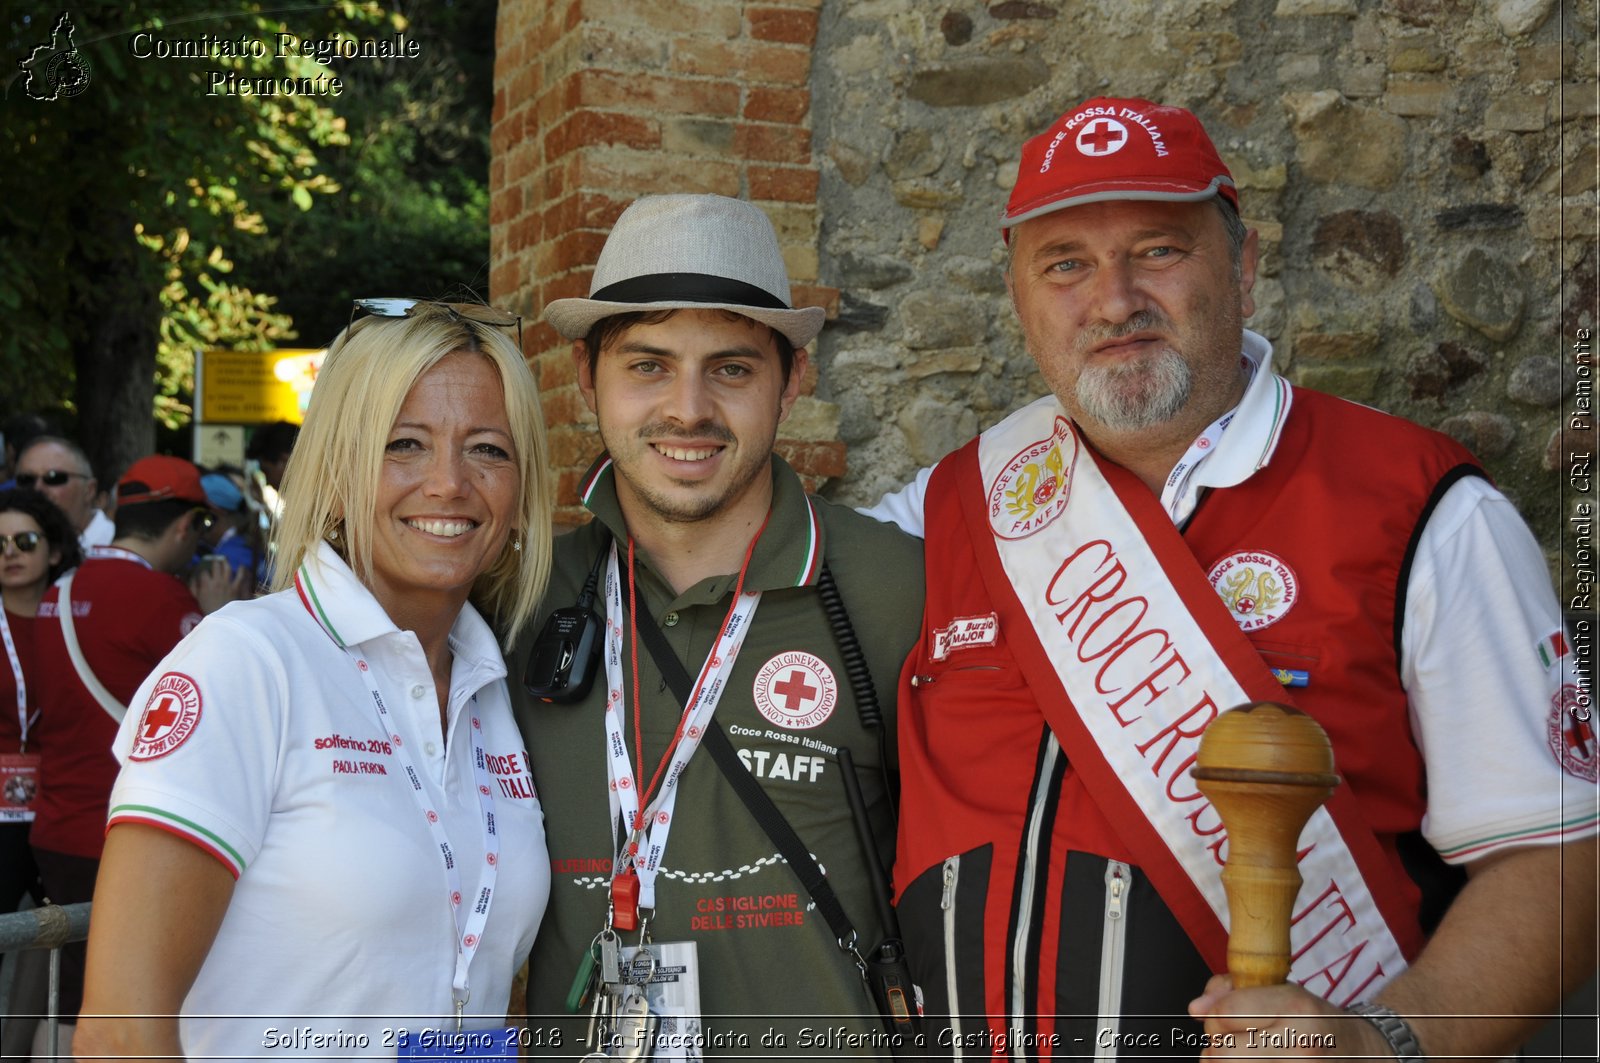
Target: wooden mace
point(1265, 768)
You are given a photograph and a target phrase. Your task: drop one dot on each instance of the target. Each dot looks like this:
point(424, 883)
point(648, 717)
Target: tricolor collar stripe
point(1280, 416)
point(308, 598)
point(161, 819)
point(589, 485)
point(812, 561)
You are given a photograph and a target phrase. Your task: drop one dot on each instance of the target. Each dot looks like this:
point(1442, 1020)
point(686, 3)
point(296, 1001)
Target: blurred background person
point(356, 723)
point(235, 536)
point(58, 467)
point(37, 545)
point(128, 610)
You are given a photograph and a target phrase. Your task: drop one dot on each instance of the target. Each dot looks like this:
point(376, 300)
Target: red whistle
point(625, 901)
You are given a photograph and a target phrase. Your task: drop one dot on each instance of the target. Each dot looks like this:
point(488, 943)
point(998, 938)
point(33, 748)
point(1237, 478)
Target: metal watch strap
point(1395, 1029)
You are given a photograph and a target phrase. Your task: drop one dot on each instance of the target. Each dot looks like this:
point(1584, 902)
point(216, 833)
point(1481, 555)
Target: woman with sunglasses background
point(330, 777)
point(37, 544)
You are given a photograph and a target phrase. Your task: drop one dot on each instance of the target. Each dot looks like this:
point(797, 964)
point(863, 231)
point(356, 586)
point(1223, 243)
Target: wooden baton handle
point(1265, 768)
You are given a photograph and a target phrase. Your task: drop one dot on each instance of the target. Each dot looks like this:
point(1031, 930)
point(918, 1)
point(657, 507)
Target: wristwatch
point(1395, 1029)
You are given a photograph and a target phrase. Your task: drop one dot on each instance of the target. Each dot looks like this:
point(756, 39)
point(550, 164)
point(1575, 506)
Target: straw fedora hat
point(697, 252)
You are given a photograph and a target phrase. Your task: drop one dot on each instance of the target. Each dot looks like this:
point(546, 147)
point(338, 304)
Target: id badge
point(19, 786)
point(674, 996)
point(461, 1046)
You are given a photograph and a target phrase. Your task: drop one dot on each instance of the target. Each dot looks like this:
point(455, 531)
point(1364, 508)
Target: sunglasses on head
point(53, 478)
point(482, 313)
point(25, 542)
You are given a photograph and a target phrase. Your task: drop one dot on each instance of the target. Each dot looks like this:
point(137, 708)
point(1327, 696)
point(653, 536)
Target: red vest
point(1331, 527)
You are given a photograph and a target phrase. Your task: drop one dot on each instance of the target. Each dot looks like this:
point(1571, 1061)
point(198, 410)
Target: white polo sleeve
point(905, 506)
point(1491, 708)
point(201, 743)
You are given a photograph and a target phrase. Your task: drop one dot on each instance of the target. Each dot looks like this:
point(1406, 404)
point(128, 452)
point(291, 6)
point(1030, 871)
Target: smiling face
point(21, 570)
point(1134, 312)
point(448, 492)
point(688, 409)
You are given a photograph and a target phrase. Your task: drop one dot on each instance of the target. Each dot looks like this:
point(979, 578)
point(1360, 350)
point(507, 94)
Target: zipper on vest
point(1031, 880)
point(947, 901)
point(1112, 941)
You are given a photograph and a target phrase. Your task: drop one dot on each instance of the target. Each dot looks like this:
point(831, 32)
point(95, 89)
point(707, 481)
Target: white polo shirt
point(258, 740)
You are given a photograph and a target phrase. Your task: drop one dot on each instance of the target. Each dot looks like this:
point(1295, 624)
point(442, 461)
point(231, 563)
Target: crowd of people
point(924, 768)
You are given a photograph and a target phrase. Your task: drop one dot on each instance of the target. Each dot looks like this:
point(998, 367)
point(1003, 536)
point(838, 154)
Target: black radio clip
point(565, 657)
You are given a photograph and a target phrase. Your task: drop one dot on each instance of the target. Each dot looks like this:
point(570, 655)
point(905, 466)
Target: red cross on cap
point(1102, 137)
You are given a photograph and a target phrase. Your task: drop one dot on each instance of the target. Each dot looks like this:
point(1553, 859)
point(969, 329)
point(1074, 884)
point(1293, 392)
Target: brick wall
point(598, 102)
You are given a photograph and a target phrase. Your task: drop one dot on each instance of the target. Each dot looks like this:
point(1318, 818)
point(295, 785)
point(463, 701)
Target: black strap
point(744, 784)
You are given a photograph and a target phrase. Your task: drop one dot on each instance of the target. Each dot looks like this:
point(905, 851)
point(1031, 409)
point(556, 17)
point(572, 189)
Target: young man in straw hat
point(1177, 530)
point(705, 543)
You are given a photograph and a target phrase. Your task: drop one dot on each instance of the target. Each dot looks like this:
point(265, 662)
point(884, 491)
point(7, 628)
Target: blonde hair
point(332, 479)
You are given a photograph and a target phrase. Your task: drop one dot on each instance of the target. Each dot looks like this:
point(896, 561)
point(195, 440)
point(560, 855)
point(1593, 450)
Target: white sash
point(1134, 649)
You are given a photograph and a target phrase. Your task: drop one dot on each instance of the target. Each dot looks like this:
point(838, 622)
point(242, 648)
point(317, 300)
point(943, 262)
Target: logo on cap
point(1103, 136)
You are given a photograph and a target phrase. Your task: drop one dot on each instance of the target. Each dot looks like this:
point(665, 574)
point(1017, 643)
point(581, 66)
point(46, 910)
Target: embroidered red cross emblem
point(796, 692)
point(1100, 135)
point(159, 717)
point(1579, 736)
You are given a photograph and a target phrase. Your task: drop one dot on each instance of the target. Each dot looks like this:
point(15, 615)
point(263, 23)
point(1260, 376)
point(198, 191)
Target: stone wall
point(1422, 173)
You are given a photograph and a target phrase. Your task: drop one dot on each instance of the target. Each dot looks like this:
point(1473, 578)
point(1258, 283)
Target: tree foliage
point(150, 215)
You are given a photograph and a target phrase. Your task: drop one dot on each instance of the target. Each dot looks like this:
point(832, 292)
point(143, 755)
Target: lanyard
point(24, 721)
point(652, 827)
point(469, 935)
point(1180, 495)
point(117, 553)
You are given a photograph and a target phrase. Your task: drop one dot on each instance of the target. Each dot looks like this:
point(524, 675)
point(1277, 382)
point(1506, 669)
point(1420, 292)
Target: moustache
point(1141, 321)
point(707, 430)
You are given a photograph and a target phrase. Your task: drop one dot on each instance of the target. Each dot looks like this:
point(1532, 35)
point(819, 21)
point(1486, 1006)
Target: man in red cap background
point(127, 612)
point(1176, 530)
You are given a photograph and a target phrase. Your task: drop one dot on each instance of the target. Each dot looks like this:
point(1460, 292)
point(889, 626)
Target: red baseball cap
point(158, 478)
point(1117, 149)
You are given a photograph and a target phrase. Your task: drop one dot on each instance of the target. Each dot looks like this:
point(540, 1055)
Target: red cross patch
point(796, 690)
point(1572, 733)
point(1102, 136)
point(170, 717)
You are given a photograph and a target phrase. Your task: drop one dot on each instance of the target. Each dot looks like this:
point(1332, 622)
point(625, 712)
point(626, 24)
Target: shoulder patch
point(170, 717)
point(1571, 730)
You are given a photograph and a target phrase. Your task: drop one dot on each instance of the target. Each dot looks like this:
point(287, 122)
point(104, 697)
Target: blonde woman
point(324, 807)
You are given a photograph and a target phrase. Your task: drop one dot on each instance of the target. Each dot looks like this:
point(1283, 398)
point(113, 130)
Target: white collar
point(344, 605)
point(1253, 433)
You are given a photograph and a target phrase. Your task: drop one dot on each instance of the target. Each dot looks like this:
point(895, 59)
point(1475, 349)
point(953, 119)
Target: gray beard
point(1137, 396)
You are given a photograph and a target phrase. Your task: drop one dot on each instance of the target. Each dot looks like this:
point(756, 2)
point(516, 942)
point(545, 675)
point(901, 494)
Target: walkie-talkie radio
point(566, 655)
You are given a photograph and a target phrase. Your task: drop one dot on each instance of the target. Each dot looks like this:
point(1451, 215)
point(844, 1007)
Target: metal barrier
point(48, 927)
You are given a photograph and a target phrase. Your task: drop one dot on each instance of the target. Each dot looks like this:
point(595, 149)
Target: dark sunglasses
point(482, 313)
point(25, 542)
point(53, 478)
point(203, 519)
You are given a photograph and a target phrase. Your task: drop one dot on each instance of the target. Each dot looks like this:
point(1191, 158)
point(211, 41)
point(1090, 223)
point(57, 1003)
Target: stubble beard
point(690, 506)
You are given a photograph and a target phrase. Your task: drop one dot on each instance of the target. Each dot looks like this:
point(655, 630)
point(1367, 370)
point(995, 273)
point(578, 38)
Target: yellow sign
point(245, 387)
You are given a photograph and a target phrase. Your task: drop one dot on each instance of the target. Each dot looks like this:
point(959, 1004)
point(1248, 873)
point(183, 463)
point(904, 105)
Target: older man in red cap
point(1176, 530)
point(101, 630)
